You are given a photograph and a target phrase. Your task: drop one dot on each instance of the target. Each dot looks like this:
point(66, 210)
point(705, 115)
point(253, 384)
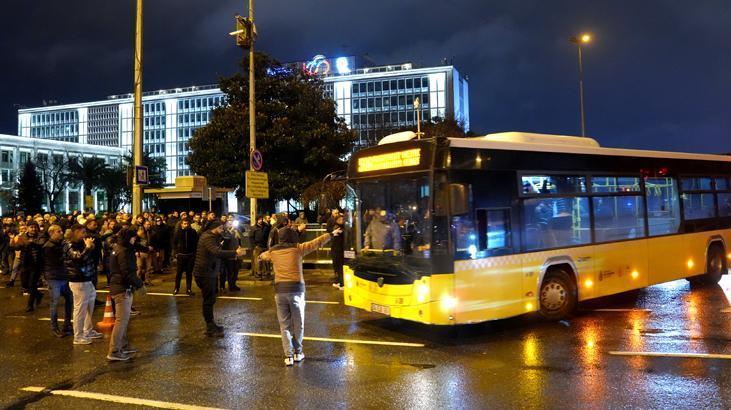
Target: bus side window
point(663, 209)
point(494, 233)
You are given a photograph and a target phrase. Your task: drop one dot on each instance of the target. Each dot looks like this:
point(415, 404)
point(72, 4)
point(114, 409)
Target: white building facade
point(373, 101)
point(16, 151)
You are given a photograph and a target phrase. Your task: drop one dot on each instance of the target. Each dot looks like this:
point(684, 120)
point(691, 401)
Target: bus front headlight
point(348, 278)
point(448, 303)
point(422, 292)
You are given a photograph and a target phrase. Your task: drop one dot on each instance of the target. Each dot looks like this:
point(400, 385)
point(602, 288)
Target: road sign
point(257, 160)
point(257, 185)
point(141, 175)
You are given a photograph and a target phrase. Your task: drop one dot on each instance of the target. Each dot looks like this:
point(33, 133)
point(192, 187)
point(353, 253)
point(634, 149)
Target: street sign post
point(257, 160)
point(257, 185)
point(142, 177)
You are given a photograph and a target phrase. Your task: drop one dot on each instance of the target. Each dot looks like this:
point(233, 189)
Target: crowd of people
point(68, 253)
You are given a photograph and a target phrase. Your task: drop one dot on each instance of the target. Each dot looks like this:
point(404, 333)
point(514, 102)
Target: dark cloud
point(658, 75)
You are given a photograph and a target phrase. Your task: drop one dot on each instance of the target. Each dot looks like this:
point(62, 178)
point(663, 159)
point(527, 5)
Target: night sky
point(658, 74)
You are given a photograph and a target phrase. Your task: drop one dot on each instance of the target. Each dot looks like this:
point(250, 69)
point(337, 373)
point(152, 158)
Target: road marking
point(118, 399)
point(621, 310)
point(727, 310)
point(675, 354)
point(324, 339)
point(179, 295)
point(238, 298)
point(48, 319)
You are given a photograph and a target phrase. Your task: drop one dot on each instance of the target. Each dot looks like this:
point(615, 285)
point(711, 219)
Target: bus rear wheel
point(558, 295)
point(715, 265)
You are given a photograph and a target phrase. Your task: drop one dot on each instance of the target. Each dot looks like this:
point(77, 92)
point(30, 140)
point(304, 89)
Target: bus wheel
point(558, 295)
point(715, 265)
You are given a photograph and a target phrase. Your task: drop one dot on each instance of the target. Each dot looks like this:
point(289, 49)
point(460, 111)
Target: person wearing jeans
point(58, 282)
point(80, 267)
point(289, 286)
point(123, 282)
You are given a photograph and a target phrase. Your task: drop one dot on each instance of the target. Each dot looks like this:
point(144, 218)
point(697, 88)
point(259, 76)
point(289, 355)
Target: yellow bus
point(465, 230)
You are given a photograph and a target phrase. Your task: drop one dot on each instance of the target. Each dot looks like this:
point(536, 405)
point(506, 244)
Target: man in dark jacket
point(229, 266)
point(92, 231)
point(337, 251)
point(58, 281)
point(184, 244)
point(161, 243)
point(30, 246)
point(207, 256)
point(80, 267)
point(123, 281)
point(258, 237)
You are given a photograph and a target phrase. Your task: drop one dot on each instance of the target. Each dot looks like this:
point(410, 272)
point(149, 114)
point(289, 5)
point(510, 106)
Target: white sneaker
point(94, 335)
point(298, 357)
point(288, 361)
point(82, 341)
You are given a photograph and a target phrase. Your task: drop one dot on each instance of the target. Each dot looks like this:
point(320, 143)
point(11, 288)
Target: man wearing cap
point(208, 253)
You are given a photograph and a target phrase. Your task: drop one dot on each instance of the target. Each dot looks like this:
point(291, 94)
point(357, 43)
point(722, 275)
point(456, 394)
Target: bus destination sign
point(391, 160)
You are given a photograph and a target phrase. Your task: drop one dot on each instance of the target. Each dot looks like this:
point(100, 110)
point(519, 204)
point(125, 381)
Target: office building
point(16, 151)
point(373, 100)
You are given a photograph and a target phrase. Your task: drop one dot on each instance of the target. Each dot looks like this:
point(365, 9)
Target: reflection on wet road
point(665, 346)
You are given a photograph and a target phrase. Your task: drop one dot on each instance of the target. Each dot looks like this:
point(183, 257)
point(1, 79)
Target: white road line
point(182, 295)
point(621, 310)
point(324, 339)
point(48, 319)
point(238, 298)
point(118, 399)
point(675, 354)
point(727, 310)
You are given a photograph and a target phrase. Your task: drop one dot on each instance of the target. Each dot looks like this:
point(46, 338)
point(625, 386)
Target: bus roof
point(524, 141)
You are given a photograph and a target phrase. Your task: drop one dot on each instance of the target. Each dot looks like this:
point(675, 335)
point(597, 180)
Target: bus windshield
point(395, 224)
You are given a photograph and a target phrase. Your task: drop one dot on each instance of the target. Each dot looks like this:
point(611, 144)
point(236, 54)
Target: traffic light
point(245, 31)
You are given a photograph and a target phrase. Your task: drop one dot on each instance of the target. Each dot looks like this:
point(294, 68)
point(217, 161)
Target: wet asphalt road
point(516, 363)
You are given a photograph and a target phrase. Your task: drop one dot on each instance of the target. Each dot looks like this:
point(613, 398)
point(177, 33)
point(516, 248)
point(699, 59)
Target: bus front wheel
point(558, 295)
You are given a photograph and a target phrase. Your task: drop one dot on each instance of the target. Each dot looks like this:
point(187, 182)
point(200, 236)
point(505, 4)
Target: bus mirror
point(459, 198)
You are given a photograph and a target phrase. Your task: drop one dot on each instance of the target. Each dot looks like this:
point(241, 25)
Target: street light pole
point(579, 41)
point(252, 107)
point(137, 142)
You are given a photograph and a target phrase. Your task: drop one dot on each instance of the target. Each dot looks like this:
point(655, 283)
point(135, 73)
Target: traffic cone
point(108, 321)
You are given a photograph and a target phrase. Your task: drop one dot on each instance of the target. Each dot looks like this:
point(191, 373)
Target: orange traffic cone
point(108, 321)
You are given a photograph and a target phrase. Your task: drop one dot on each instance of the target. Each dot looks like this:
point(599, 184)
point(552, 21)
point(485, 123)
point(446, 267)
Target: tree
point(114, 184)
point(30, 189)
point(55, 177)
point(87, 171)
point(298, 132)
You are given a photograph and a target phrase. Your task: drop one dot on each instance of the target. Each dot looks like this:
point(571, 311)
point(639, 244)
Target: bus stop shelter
point(191, 193)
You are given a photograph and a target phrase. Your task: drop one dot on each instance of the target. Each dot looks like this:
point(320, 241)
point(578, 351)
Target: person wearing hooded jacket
point(207, 258)
point(123, 281)
point(289, 286)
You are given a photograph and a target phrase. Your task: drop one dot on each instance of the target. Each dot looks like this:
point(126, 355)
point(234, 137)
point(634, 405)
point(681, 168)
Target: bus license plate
point(384, 310)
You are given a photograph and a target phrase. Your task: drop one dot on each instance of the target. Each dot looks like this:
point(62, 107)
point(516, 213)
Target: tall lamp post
point(137, 142)
point(245, 34)
point(580, 41)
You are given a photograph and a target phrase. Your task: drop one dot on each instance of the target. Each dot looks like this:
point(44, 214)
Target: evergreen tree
point(30, 189)
point(297, 130)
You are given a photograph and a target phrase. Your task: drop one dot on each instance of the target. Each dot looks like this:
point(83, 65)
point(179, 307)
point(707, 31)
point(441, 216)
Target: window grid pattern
point(56, 125)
